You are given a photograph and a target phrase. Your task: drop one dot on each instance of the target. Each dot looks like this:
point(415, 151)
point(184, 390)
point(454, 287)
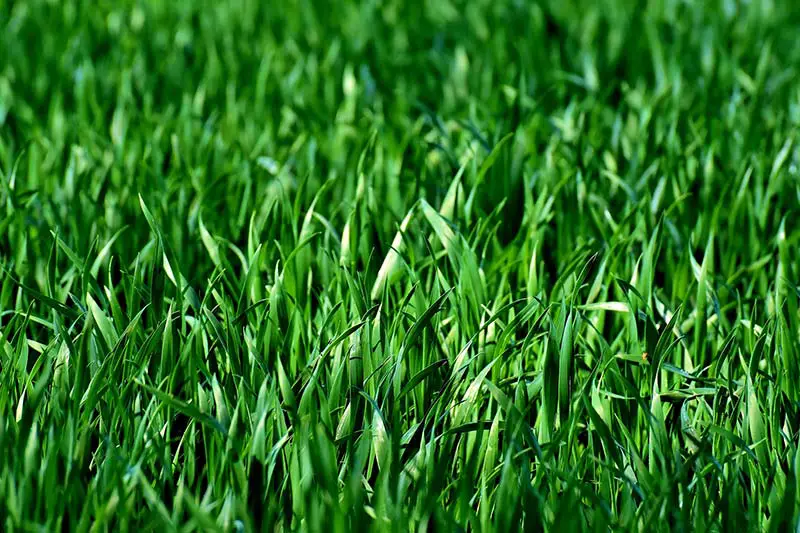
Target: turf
point(399, 265)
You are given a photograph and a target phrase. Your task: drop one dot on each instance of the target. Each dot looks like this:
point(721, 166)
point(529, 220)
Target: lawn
point(399, 265)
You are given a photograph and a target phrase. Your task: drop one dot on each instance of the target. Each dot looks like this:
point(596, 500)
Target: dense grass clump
point(399, 265)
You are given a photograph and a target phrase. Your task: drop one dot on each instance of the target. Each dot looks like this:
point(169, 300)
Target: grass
point(399, 265)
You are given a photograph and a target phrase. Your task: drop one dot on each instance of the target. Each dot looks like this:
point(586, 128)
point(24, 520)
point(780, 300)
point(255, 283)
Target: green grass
point(399, 265)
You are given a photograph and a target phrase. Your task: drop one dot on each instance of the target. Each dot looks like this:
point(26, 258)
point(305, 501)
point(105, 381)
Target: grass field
point(397, 265)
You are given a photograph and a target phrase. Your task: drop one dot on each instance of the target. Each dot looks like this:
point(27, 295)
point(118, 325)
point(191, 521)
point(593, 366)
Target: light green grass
point(399, 265)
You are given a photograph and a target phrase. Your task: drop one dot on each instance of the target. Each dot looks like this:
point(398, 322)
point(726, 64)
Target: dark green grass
point(399, 265)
